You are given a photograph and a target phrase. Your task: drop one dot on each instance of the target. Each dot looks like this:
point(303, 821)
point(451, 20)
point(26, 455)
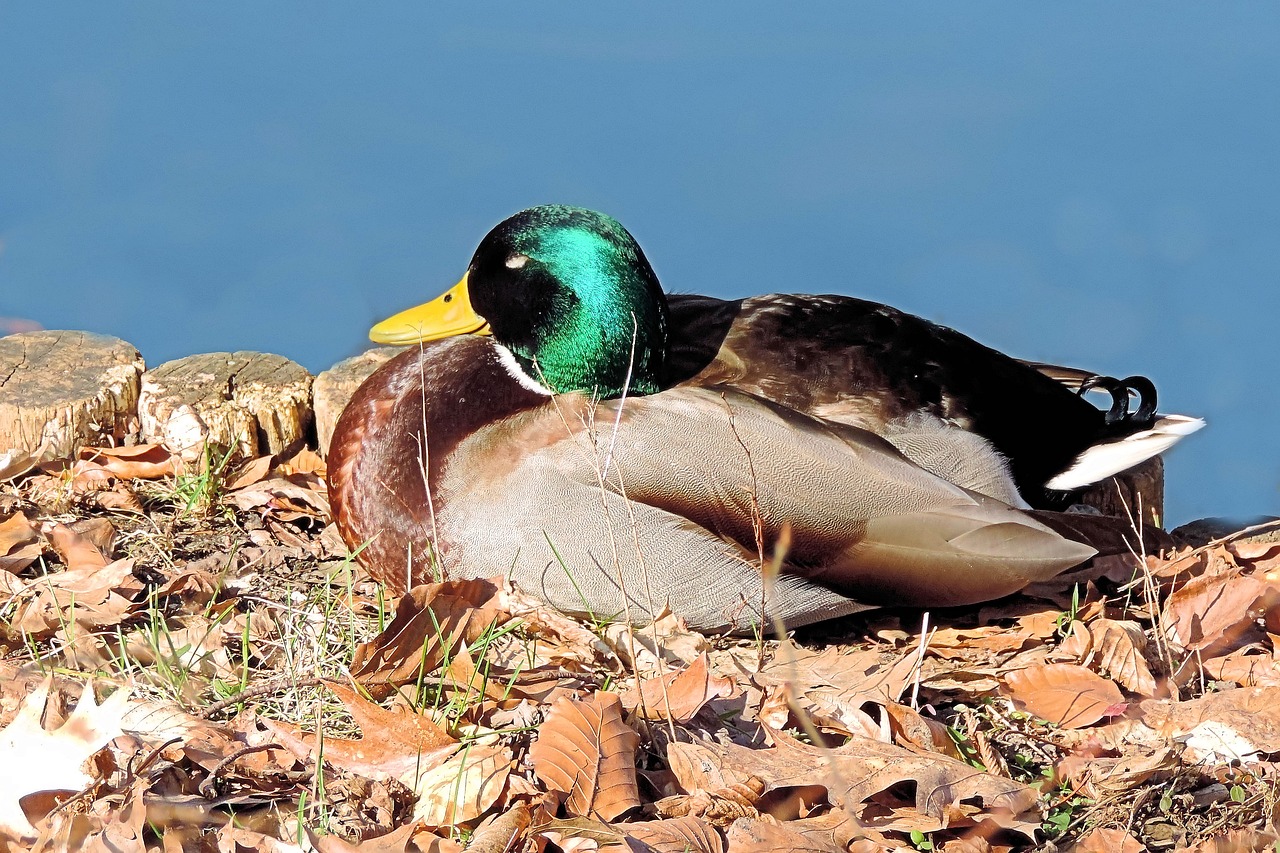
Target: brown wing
point(662, 511)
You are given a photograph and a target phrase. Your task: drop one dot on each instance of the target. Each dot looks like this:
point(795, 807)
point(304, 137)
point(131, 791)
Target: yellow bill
point(447, 315)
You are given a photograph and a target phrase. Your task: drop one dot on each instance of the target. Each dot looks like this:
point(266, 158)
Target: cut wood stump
point(248, 403)
point(1137, 493)
point(333, 388)
point(60, 391)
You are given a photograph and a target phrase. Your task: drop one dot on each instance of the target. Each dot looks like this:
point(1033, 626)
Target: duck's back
point(867, 364)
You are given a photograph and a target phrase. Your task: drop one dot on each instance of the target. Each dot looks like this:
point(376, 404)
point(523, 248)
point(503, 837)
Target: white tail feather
point(1102, 460)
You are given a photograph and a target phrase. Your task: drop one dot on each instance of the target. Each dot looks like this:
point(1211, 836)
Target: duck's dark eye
point(448, 297)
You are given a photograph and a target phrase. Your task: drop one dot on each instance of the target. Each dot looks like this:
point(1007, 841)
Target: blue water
point(1093, 184)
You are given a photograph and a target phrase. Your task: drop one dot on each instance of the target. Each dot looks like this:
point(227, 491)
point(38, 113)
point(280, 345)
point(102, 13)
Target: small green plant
point(196, 492)
point(966, 747)
point(1069, 615)
point(1067, 810)
point(920, 841)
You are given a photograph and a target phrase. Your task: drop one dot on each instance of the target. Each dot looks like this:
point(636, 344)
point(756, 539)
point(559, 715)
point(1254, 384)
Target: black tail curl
point(1121, 390)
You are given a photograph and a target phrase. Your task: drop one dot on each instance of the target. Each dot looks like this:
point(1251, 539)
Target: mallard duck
point(616, 451)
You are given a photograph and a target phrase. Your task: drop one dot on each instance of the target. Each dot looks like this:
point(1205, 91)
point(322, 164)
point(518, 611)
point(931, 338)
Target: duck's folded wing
point(863, 519)
point(593, 553)
point(658, 506)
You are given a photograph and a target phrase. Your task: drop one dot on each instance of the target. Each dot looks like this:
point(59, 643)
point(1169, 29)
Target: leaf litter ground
point(193, 661)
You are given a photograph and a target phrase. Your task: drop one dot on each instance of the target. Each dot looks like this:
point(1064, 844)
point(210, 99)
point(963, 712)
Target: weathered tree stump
point(62, 390)
point(333, 388)
point(248, 403)
point(1137, 493)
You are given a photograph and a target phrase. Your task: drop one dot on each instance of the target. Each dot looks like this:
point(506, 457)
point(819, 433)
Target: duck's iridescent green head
point(568, 291)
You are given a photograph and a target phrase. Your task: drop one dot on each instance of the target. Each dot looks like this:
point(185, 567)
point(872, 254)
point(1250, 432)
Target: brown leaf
point(121, 498)
point(77, 550)
point(502, 833)
point(138, 462)
point(585, 750)
point(51, 761)
point(431, 622)
point(462, 788)
point(1065, 694)
point(1108, 841)
point(284, 499)
point(676, 835)
point(1113, 648)
point(564, 642)
point(924, 733)
point(411, 838)
point(305, 461)
point(392, 744)
point(19, 543)
point(1099, 777)
point(1210, 607)
point(848, 674)
point(1246, 668)
point(666, 640)
point(854, 774)
point(1237, 841)
point(91, 596)
point(678, 695)
point(1219, 725)
point(749, 835)
point(250, 472)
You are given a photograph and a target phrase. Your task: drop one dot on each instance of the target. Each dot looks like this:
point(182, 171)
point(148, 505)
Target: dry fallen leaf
point(856, 773)
point(90, 596)
point(137, 462)
point(678, 695)
point(841, 673)
point(52, 762)
point(392, 744)
point(77, 550)
point(431, 622)
point(20, 544)
point(748, 835)
point(1098, 777)
point(1247, 667)
point(1115, 648)
point(462, 788)
point(1064, 694)
point(283, 499)
point(1212, 607)
point(1108, 841)
point(586, 751)
point(1234, 724)
point(676, 835)
point(250, 472)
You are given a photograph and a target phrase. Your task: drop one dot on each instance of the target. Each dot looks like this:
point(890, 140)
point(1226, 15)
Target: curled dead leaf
point(77, 550)
point(431, 622)
point(678, 695)
point(392, 743)
point(1102, 840)
point(51, 762)
point(1212, 607)
point(136, 462)
point(1115, 649)
point(676, 835)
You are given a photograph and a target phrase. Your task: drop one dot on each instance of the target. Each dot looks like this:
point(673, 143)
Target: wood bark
point(246, 403)
point(62, 390)
point(1136, 493)
point(333, 388)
